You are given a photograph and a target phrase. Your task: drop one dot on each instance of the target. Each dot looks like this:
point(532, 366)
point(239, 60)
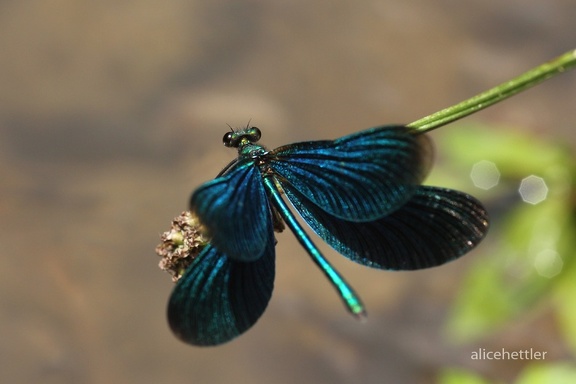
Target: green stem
point(495, 95)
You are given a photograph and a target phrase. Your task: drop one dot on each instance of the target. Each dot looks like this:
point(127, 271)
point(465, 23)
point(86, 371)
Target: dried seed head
point(181, 244)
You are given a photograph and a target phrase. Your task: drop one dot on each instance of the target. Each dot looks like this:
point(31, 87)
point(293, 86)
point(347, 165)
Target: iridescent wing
point(435, 226)
point(219, 298)
point(235, 212)
point(360, 177)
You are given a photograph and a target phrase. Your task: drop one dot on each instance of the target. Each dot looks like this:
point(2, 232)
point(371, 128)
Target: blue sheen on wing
point(435, 226)
point(235, 212)
point(360, 193)
point(359, 177)
point(218, 298)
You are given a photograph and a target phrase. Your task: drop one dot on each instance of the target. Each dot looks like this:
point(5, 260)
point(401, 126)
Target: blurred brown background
point(112, 112)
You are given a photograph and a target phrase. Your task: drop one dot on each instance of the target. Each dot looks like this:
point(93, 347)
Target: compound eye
point(254, 134)
point(228, 139)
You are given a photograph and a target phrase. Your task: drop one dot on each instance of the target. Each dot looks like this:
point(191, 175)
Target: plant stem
point(495, 95)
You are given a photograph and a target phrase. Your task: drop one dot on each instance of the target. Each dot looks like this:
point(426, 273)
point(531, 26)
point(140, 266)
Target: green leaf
point(533, 243)
point(505, 144)
point(565, 307)
point(560, 373)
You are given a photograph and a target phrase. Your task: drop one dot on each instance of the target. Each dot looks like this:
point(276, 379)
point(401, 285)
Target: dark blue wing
point(435, 226)
point(218, 298)
point(360, 177)
point(235, 212)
